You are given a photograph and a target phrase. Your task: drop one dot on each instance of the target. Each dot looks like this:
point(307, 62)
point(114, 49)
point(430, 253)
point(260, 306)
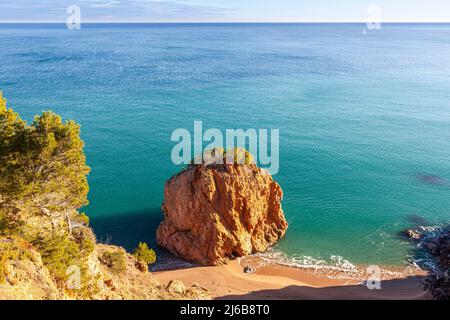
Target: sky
point(227, 10)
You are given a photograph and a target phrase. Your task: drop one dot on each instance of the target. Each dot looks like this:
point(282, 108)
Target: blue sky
point(223, 10)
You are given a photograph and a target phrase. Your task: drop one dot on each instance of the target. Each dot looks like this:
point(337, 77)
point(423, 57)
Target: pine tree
point(43, 162)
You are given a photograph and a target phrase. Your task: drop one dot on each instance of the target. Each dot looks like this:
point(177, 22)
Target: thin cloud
point(101, 3)
point(110, 11)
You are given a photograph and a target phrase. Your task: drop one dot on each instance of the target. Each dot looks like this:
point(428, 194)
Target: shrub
point(241, 156)
point(219, 156)
point(144, 253)
point(11, 250)
point(58, 253)
point(115, 261)
point(86, 245)
point(83, 219)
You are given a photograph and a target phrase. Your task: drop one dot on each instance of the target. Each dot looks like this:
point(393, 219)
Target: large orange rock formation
point(213, 213)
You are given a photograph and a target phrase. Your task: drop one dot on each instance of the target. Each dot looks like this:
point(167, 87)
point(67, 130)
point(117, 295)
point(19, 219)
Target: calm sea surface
point(364, 119)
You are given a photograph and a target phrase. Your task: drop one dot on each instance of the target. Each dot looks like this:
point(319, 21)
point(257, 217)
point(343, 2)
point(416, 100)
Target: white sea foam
point(430, 232)
point(425, 260)
point(336, 267)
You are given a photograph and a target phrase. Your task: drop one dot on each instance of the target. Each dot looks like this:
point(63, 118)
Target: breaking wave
point(336, 267)
point(421, 257)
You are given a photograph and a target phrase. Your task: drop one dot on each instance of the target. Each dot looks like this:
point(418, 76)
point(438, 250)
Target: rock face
point(439, 283)
point(23, 276)
point(412, 234)
point(437, 242)
point(217, 212)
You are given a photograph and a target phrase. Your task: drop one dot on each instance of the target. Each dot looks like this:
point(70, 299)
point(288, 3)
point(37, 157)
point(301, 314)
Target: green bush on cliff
point(11, 249)
point(241, 156)
point(83, 219)
point(235, 155)
point(58, 253)
point(86, 241)
point(144, 253)
point(115, 261)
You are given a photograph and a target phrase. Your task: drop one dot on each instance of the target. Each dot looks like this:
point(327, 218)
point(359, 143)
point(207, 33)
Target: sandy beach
point(281, 282)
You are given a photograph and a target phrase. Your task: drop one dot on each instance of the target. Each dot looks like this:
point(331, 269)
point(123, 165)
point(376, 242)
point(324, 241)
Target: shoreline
point(273, 281)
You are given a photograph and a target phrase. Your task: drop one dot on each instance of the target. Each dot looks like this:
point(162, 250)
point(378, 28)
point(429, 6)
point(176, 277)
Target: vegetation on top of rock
point(144, 253)
point(218, 155)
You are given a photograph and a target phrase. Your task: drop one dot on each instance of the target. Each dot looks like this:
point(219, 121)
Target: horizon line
point(218, 22)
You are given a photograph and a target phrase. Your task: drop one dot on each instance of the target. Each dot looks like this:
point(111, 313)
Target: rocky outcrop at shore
point(437, 242)
point(216, 212)
point(439, 283)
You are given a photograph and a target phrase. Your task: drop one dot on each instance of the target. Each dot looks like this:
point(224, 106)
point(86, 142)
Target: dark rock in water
point(431, 179)
point(429, 245)
point(412, 234)
point(436, 240)
point(439, 284)
point(249, 270)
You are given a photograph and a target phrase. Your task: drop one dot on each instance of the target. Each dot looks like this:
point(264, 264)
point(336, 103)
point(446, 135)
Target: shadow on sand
point(398, 289)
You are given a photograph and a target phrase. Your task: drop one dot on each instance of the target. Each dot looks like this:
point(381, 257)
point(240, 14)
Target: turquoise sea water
point(364, 119)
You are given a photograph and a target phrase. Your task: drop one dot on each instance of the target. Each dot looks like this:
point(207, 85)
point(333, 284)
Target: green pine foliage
point(44, 158)
point(235, 155)
point(43, 180)
point(58, 253)
point(144, 254)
